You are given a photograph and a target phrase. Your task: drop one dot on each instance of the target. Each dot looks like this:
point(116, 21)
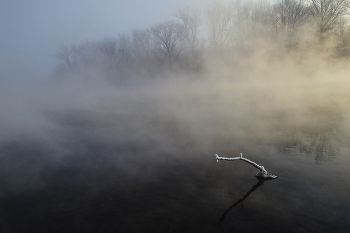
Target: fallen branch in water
point(262, 174)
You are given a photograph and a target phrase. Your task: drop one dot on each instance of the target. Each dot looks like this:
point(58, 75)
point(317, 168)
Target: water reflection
point(255, 187)
point(323, 146)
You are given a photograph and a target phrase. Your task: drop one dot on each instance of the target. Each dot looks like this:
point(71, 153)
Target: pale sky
point(31, 30)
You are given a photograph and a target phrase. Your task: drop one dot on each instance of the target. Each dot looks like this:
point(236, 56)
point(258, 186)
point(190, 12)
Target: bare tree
point(169, 34)
point(243, 23)
point(79, 51)
point(142, 44)
point(143, 51)
point(123, 49)
point(290, 14)
point(108, 48)
point(250, 20)
point(64, 54)
point(219, 21)
point(260, 13)
point(191, 20)
point(328, 14)
point(84, 54)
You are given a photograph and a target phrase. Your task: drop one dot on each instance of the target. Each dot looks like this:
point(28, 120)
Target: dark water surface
point(191, 193)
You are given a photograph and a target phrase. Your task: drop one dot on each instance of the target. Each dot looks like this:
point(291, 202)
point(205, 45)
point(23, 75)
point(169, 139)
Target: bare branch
point(262, 174)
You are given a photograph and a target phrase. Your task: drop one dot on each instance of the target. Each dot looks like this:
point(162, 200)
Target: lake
point(146, 162)
point(193, 193)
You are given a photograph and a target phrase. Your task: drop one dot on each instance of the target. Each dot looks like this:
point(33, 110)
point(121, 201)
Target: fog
point(103, 111)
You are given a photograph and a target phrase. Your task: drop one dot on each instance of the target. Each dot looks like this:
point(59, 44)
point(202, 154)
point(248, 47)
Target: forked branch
point(262, 174)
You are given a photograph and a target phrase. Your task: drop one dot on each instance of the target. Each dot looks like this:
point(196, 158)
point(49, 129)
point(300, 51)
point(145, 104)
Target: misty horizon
point(283, 71)
point(138, 110)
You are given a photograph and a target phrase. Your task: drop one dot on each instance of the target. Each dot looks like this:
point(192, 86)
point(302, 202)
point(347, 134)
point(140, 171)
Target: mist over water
point(262, 105)
point(103, 144)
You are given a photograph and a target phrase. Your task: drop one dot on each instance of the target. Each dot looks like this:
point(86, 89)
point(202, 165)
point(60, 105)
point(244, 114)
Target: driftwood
point(262, 174)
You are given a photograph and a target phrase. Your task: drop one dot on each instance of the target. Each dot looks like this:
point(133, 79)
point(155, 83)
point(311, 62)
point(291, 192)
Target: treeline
point(231, 29)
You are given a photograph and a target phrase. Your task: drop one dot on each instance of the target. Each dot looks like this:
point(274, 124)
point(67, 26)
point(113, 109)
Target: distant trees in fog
point(191, 21)
point(219, 22)
point(65, 54)
point(230, 27)
point(169, 37)
point(329, 14)
point(290, 14)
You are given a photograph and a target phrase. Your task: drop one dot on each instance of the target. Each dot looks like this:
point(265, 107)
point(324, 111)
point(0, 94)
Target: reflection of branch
point(261, 182)
point(262, 174)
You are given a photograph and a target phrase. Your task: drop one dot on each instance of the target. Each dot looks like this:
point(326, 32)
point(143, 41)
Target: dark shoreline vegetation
point(123, 133)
